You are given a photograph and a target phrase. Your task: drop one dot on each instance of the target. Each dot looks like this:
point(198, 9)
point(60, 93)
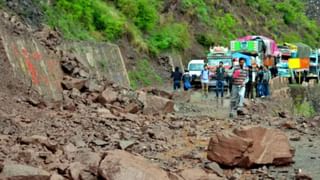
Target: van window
point(195, 67)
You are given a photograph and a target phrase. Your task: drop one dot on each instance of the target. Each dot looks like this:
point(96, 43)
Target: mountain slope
point(146, 28)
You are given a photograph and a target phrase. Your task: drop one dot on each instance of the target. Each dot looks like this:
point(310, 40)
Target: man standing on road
point(251, 84)
point(220, 76)
point(239, 78)
point(176, 76)
point(266, 80)
point(205, 74)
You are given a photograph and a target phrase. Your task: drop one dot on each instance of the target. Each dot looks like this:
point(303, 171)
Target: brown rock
point(23, 172)
point(155, 104)
point(228, 148)
point(92, 86)
point(90, 159)
point(158, 92)
point(302, 176)
point(87, 175)
point(251, 146)
point(197, 174)
point(132, 108)
point(283, 114)
point(121, 165)
point(56, 177)
point(36, 139)
point(108, 96)
point(71, 83)
point(289, 125)
point(75, 169)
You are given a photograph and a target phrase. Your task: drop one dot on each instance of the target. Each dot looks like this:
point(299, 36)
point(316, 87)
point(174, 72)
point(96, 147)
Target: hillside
point(145, 29)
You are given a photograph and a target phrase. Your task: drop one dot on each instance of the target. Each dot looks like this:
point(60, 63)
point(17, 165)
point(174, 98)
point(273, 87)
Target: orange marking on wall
point(37, 56)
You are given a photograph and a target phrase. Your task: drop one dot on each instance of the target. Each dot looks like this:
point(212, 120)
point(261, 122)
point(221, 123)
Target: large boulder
point(250, 146)
point(108, 96)
point(23, 172)
point(121, 165)
point(155, 104)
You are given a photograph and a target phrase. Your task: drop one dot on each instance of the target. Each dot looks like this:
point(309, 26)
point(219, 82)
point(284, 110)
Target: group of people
point(244, 82)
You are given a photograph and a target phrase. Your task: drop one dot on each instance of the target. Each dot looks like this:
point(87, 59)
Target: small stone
point(215, 168)
point(99, 142)
point(125, 144)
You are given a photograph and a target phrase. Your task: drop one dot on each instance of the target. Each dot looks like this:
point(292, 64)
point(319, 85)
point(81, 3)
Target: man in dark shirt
point(220, 77)
point(176, 76)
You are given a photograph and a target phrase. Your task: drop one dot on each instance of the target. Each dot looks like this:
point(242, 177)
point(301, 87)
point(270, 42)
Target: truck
point(214, 57)
point(195, 67)
point(314, 69)
point(282, 62)
point(299, 62)
point(263, 49)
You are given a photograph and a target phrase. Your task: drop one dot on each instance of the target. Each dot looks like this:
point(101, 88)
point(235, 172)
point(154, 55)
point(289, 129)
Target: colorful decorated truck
point(282, 61)
point(263, 49)
point(216, 55)
point(314, 70)
point(299, 62)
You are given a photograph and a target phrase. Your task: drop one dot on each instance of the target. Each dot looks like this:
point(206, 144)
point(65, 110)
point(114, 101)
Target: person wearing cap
point(220, 77)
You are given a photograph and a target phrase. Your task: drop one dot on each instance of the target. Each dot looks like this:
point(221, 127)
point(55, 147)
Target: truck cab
point(195, 67)
point(282, 62)
point(218, 54)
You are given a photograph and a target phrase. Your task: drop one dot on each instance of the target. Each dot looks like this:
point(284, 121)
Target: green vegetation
point(196, 8)
point(205, 22)
point(143, 75)
point(82, 19)
point(304, 109)
point(143, 13)
point(170, 36)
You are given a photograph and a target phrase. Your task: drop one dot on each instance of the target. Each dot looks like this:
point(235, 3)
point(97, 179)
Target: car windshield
point(195, 67)
point(215, 62)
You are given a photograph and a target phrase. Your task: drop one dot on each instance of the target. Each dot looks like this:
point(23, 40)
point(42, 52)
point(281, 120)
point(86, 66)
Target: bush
point(170, 36)
point(143, 75)
point(206, 39)
point(304, 109)
point(143, 13)
point(292, 11)
point(197, 8)
point(79, 19)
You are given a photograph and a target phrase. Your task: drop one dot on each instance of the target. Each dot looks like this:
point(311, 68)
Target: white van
point(195, 67)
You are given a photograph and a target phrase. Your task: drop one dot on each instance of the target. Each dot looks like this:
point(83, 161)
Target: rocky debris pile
point(27, 9)
point(13, 22)
point(313, 7)
point(249, 147)
point(113, 165)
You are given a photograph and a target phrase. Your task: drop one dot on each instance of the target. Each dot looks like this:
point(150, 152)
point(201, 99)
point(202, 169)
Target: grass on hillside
point(143, 75)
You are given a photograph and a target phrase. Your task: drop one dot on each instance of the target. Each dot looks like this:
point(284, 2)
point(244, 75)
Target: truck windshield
point(195, 67)
point(215, 62)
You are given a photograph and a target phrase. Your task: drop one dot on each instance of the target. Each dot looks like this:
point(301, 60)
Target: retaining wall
point(32, 64)
point(104, 60)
